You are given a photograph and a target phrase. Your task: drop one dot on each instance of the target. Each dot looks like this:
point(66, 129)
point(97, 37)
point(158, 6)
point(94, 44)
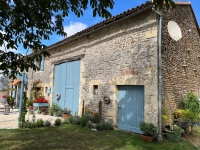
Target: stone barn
point(113, 67)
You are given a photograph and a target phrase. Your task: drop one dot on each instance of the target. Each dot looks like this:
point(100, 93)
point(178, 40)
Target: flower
point(40, 100)
point(43, 109)
point(3, 96)
point(66, 111)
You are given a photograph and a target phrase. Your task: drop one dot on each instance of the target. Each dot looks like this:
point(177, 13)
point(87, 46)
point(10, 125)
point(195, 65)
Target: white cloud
point(53, 19)
point(4, 48)
point(74, 27)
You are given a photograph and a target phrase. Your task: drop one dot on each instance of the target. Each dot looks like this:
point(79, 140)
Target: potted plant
point(149, 131)
point(30, 104)
point(173, 133)
point(56, 110)
point(66, 113)
point(3, 98)
point(185, 118)
point(43, 110)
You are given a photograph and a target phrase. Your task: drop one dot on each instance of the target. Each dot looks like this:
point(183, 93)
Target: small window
point(95, 89)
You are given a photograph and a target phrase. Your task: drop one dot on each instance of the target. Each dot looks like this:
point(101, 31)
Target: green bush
point(29, 102)
point(76, 120)
point(148, 128)
point(89, 125)
point(28, 124)
point(65, 121)
point(47, 123)
point(58, 122)
point(104, 126)
point(55, 108)
point(70, 119)
point(186, 115)
point(191, 102)
point(34, 125)
point(40, 123)
point(84, 120)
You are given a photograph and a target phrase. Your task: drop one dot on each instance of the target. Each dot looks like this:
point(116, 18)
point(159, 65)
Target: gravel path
point(10, 121)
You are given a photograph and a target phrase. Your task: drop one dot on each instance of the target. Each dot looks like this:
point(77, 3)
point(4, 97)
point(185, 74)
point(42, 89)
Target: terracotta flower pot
point(147, 138)
point(66, 116)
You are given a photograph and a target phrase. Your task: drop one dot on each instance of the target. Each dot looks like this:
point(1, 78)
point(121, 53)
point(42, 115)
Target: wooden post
point(100, 111)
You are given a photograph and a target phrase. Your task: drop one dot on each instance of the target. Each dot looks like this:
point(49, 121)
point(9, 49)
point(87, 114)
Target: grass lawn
point(74, 137)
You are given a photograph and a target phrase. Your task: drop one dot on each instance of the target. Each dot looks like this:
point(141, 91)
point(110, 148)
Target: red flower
point(3, 96)
point(40, 100)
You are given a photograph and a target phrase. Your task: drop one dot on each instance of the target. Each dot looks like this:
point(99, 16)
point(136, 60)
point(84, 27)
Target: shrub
point(47, 123)
point(148, 129)
point(84, 120)
point(93, 116)
point(191, 102)
point(55, 108)
point(76, 120)
point(34, 124)
point(40, 123)
point(186, 115)
point(104, 126)
point(70, 119)
point(89, 125)
point(58, 122)
point(28, 124)
point(65, 121)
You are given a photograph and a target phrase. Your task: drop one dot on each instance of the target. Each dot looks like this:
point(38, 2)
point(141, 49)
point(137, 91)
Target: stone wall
point(181, 59)
point(124, 53)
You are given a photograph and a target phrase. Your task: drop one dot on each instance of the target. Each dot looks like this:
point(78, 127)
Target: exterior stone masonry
point(124, 53)
point(181, 59)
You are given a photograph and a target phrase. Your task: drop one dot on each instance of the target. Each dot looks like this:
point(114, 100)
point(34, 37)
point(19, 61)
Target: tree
point(28, 22)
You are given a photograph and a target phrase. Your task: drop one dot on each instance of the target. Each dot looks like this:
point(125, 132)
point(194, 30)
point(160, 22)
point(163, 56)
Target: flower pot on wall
point(66, 116)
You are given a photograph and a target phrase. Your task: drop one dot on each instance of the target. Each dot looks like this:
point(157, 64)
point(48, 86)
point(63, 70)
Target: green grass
point(74, 137)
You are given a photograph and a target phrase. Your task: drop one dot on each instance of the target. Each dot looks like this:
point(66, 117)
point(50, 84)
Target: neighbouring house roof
point(15, 82)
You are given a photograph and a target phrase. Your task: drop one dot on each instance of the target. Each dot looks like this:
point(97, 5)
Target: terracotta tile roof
point(14, 82)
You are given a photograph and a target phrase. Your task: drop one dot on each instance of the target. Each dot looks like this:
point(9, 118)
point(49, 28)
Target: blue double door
point(130, 107)
point(66, 83)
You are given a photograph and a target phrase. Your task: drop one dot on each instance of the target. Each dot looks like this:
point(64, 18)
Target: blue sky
point(74, 24)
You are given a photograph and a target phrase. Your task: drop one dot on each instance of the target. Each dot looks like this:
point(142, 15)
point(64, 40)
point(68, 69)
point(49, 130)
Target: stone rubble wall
point(124, 53)
point(180, 59)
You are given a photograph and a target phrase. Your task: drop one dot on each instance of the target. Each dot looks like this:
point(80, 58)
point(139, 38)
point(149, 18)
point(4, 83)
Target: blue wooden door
point(66, 83)
point(130, 107)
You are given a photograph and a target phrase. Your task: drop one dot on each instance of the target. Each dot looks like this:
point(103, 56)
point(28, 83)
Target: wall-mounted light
point(58, 95)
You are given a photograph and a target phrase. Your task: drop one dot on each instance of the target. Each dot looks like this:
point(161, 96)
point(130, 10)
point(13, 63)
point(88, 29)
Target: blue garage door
point(130, 107)
point(66, 83)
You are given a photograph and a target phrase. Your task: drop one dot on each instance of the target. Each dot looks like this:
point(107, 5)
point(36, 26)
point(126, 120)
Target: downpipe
point(160, 138)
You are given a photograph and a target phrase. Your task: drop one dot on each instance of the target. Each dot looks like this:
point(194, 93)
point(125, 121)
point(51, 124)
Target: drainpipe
point(160, 139)
point(21, 96)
